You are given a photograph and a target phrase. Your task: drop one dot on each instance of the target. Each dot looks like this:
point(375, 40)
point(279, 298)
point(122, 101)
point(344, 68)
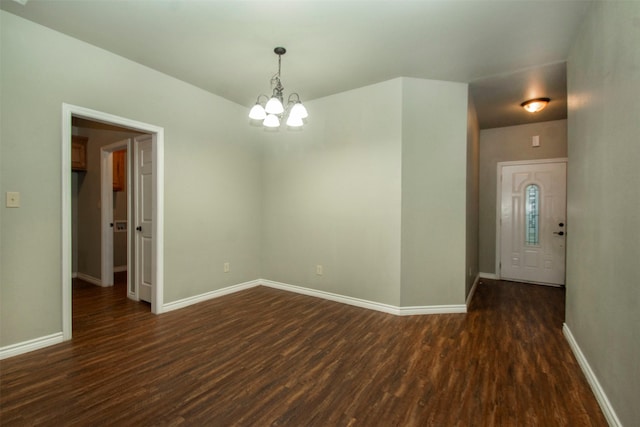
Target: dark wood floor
point(267, 357)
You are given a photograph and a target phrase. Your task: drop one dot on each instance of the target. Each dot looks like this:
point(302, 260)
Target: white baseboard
point(185, 302)
point(473, 290)
point(31, 345)
point(601, 397)
point(90, 279)
point(119, 268)
point(489, 276)
point(331, 296)
point(432, 309)
point(371, 305)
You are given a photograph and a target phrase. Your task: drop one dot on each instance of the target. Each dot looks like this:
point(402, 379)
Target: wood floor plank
point(267, 357)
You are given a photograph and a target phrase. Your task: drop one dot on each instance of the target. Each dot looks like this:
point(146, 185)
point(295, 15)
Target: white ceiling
point(508, 50)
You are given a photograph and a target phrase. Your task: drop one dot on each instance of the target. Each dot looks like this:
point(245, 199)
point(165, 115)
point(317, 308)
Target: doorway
point(531, 220)
point(132, 158)
point(155, 196)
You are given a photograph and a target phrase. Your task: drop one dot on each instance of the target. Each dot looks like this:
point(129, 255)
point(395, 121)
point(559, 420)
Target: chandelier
point(274, 110)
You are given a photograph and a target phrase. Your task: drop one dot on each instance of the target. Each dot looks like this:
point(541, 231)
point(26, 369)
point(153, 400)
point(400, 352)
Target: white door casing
point(532, 247)
point(68, 112)
point(144, 217)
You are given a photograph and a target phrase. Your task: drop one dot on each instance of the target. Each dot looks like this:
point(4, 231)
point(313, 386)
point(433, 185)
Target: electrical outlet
point(13, 199)
point(227, 267)
point(319, 270)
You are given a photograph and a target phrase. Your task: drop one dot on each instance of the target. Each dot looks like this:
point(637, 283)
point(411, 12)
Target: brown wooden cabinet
point(79, 153)
point(119, 166)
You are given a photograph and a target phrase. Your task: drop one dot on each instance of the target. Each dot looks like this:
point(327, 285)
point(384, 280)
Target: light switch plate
point(13, 199)
point(535, 141)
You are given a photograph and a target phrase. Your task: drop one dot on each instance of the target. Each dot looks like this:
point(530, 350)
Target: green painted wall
point(434, 192)
point(332, 197)
point(212, 172)
point(603, 238)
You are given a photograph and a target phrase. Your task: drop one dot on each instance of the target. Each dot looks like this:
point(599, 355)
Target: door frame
point(157, 251)
point(106, 212)
point(499, 167)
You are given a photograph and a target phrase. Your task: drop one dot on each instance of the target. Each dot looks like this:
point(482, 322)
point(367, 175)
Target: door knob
point(559, 233)
point(139, 228)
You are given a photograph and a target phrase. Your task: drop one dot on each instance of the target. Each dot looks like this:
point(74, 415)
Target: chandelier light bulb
point(274, 106)
point(271, 121)
point(298, 110)
point(294, 121)
point(257, 112)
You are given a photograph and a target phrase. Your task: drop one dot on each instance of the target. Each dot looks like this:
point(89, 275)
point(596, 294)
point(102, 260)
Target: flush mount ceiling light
point(272, 111)
point(535, 105)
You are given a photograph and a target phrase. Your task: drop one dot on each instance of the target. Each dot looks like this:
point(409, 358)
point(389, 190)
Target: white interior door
point(533, 223)
point(106, 213)
point(106, 209)
point(144, 216)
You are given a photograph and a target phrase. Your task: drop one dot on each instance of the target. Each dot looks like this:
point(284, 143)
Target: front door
point(144, 216)
point(533, 223)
